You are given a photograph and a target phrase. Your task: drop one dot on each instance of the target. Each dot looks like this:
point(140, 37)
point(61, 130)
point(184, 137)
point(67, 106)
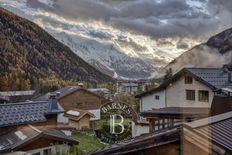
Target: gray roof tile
point(216, 77)
point(62, 92)
point(27, 112)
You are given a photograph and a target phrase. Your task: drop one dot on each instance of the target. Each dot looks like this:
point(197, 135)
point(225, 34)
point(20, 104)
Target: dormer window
point(188, 80)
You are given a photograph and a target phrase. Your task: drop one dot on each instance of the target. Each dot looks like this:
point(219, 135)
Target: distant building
point(71, 97)
point(30, 128)
point(79, 119)
point(209, 136)
point(130, 86)
point(16, 96)
point(191, 87)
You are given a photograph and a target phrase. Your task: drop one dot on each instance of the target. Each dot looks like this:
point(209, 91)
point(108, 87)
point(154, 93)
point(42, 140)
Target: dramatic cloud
point(158, 19)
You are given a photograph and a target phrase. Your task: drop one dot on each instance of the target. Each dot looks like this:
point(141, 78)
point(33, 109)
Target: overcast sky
point(156, 18)
point(155, 27)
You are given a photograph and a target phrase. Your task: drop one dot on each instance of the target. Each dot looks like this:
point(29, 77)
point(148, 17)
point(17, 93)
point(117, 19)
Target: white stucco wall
point(97, 114)
point(176, 94)
point(148, 102)
point(61, 119)
point(138, 129)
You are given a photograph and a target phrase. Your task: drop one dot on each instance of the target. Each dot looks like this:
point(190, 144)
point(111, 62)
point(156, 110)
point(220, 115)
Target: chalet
point(130, 86)
point(76, 97)
point(16, 96)
point(209, 135)
point(191, 87)
point(79, 119)
point(169, 117)
point(171, 135)
point(30, 128)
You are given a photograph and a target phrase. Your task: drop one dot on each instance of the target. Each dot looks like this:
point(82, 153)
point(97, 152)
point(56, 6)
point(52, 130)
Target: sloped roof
point(214, 78)
point(142, 142)
point(17, 93)
point(63, 92)
point(27, 112)
point(217, 77)
point(13, 140)
point(82, 113)
point(217, 129)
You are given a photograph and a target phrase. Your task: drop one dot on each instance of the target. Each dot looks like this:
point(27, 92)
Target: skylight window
point(74, 113)
point(20, 135)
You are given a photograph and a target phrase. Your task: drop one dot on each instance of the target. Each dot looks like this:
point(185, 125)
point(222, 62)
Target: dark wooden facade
point(81, 99)
point(51, 122)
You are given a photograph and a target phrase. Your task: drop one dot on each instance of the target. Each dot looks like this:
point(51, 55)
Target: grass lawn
point(88, 142)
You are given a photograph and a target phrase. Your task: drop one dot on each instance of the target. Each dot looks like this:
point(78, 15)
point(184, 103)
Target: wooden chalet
point(75, 97)
point(79, 119)
point(30, 127)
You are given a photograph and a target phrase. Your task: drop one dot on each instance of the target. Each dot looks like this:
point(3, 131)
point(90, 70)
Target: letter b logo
point(114, 124)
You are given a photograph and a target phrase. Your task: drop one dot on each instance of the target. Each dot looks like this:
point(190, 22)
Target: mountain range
point(214, 53)
point(117, 53)
point(82, 52)
point(31, 51)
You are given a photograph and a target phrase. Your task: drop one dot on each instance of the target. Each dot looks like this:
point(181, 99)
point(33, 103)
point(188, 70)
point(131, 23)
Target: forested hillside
point(29, 54)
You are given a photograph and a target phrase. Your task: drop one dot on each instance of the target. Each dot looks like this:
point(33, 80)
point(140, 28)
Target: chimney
point(80, 84)
point(225, 68)
point(53, 103)
point(58, 94)
point(228, 69)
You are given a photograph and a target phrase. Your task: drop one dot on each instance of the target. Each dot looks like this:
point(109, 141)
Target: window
point(157, 97)
point(203, 95)
point(190, 94)
point(47, 152)
point(188, 80)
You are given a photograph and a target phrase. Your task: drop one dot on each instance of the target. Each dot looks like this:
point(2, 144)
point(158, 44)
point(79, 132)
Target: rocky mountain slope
point(213, 54)
point(122, 54)
point(28, 49)
point(106, 57)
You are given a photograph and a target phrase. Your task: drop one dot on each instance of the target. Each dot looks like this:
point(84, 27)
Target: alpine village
point(51, 99)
